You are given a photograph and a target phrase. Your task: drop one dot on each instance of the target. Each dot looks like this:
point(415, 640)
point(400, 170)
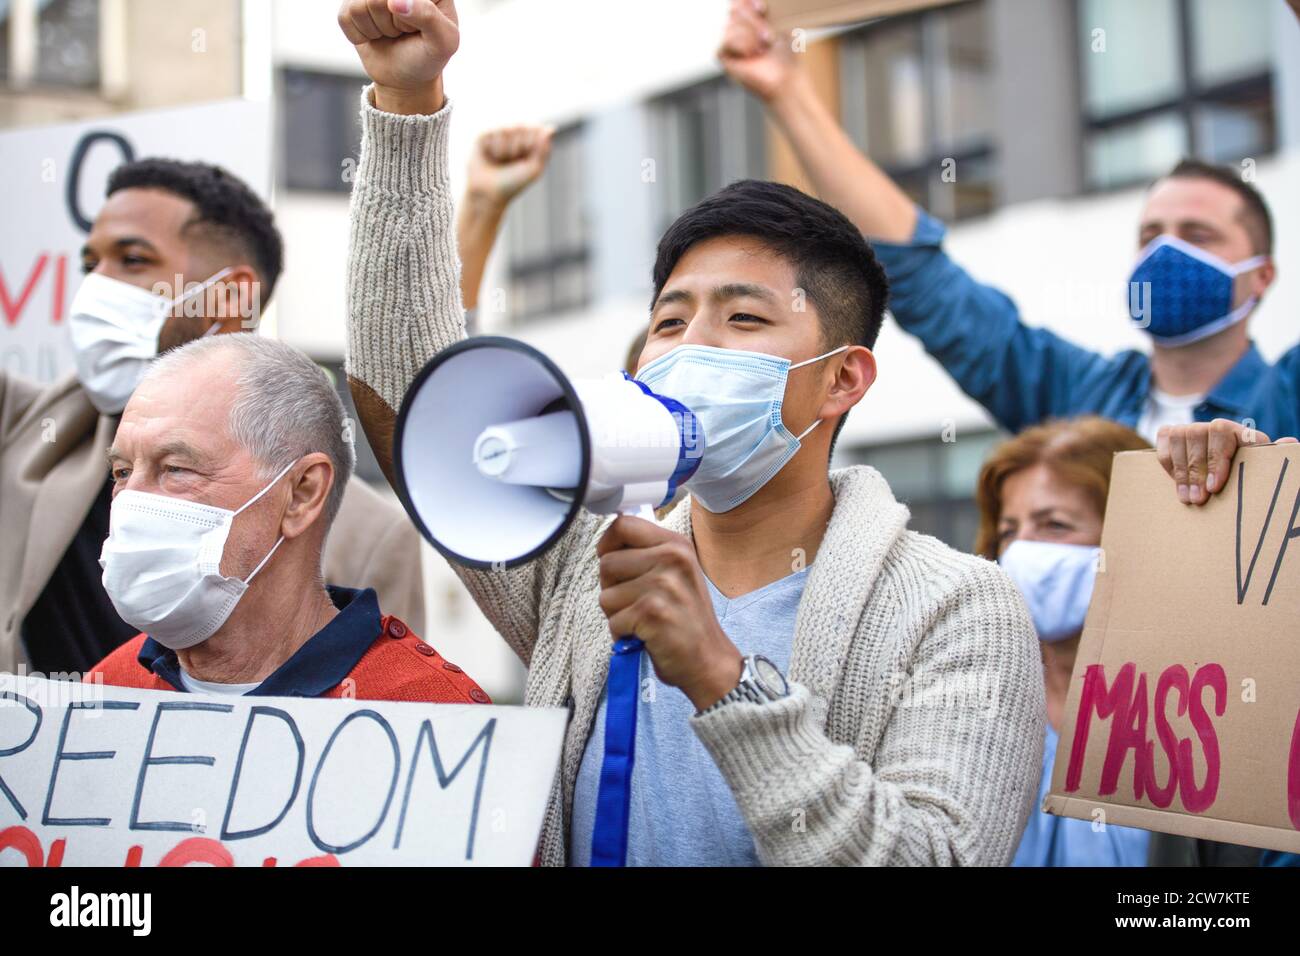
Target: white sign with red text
point(52, 190)
point(109, 776)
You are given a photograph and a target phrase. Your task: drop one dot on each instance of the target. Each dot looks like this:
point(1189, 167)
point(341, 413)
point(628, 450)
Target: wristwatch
point(760, 682)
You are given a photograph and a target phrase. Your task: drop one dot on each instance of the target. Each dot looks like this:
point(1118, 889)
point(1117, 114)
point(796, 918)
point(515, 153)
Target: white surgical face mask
point(1056, 581)
point(114, 327)
point(162, 565)
point(737, 398)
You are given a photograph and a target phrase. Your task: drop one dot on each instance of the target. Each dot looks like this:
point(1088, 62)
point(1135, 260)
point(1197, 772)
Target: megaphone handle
point(614, 795)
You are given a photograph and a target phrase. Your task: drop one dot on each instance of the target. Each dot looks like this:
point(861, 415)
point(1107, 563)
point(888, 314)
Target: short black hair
point(225, 206)
point(834, 264)
point(1256, 217)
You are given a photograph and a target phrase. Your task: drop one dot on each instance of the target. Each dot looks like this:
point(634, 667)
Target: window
point(67, 42)
point(548, 236)
point(321, 132)
point(1164, 79)
point(61, 43)
point(935, 479)
point(915, 96)
point(704, 137)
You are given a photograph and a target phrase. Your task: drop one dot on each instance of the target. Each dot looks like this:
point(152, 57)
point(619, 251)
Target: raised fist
point(753, 52)
point(505, 161)
point(404, 46)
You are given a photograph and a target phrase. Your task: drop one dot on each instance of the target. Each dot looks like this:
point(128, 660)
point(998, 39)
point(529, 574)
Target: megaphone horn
point(496, 449)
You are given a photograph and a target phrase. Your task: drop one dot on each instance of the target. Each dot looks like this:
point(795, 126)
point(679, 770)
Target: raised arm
point(404, 302)
point(504, 163)
point(1021, 374)
point(403, 296)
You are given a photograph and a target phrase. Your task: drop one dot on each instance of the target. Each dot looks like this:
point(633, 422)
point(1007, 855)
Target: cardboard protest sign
point(823, 13)
point(110, 776)
point(1184, 707)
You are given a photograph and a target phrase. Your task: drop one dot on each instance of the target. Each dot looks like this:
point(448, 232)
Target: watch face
point(769, 677)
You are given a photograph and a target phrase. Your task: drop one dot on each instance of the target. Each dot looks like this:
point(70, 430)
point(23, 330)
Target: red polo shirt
point(359, 653)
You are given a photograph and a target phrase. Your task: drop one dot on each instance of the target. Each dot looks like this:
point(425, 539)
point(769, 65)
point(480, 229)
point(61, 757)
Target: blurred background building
point(1029, 125)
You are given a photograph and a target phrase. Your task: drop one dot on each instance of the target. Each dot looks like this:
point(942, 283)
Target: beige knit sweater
point(914, 730)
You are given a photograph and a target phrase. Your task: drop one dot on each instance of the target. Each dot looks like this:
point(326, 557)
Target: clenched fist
point(505, 161)
point(753, 53)
point(404, 46)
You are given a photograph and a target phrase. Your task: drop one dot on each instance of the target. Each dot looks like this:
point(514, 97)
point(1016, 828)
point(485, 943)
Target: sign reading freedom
point(1184, 706)
point(111, 776)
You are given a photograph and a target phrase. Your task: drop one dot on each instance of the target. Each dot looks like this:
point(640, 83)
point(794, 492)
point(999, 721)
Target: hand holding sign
point(1198, 456)
point(1184, 706)
point(404, 46)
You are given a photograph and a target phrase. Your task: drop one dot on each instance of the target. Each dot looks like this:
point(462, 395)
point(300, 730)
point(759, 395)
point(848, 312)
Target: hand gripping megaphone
point(495, 450)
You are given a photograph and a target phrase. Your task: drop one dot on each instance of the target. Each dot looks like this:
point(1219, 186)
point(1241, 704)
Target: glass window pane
point(963, 108)
point(1136, 151)
point(4, 43)
point(1230, 40)
point(909, 468)
point(318, 111)
point(962, 461)
point(968, 191)
point(547, 235)
point(67, 36)
point(1135, 61)
point(1226, 132)
point(886, 92)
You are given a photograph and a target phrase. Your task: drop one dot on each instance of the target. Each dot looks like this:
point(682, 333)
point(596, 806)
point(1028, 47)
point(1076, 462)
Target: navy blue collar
point(328, 656)
point(1234, 392)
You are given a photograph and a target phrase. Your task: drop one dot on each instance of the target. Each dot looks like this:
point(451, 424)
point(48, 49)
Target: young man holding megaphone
point(827, 686)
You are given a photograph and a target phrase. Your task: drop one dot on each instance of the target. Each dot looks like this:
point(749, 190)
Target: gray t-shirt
point(682, 811)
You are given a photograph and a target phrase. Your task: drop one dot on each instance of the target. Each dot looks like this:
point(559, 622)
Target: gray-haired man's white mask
point(162, 565)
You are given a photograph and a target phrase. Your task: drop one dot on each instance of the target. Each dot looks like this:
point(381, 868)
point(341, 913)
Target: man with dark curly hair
point(180, 250)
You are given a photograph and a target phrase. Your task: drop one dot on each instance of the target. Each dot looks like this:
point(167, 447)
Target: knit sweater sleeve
point(954, 776)
point(404, 307)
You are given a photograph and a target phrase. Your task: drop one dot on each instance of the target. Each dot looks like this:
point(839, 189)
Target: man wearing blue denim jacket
point(1203, 262)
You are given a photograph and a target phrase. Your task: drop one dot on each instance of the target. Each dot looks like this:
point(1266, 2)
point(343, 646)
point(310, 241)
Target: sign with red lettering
point(1184, 707)
point(92, 775)
point(52, 190)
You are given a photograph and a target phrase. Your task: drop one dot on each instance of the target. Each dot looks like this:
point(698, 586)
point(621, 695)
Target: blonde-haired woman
point(1042, 497)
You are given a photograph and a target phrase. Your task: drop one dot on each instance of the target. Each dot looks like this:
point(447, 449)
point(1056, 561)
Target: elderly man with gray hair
point(227, 468)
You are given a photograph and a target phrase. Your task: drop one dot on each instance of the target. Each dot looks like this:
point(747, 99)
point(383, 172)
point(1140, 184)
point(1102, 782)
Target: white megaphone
point(496, 449)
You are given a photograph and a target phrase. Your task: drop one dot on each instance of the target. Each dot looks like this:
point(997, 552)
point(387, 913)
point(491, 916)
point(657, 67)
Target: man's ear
point(856, 374)
point(235, 300)
point(312, 478)
point(1265, 276)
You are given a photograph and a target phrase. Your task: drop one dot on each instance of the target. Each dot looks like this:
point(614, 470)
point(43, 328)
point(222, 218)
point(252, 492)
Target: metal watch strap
point(744, 690)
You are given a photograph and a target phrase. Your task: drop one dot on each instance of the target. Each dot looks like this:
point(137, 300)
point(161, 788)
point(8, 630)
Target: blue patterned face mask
point(737, 398)
point(1184, 292)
